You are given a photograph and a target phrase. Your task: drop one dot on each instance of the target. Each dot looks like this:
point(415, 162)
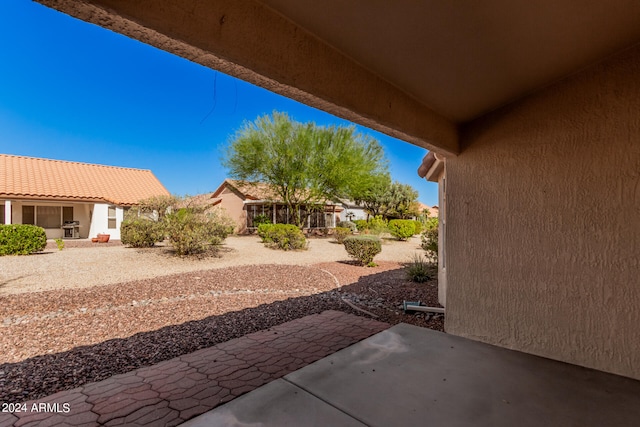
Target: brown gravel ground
point(60, 339)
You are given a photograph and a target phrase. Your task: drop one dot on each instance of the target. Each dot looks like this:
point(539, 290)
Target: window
point(2, 213)
point(111, 217)
point(49, 216)
point(29, 215)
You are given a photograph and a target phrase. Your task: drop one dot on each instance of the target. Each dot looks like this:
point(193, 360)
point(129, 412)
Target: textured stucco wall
point(543, 223)
point(234, 207)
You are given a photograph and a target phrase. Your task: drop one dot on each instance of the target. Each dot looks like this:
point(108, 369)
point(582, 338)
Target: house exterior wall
point(543, 222)
point(359, 213)
point(81, 213)
point(233, 205)
point(100, 221)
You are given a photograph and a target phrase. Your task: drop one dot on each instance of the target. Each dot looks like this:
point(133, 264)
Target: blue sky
point(73, 91)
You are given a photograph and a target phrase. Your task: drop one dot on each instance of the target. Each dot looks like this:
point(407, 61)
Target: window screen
point(49, 216)
point(111, 215)
point(29, 215)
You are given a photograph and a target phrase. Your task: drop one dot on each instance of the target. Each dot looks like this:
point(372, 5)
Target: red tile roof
point(45, 179)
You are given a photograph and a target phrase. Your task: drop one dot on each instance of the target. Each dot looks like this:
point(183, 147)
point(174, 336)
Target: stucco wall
point(80, 213)
point(100, 221)
point(234, 207)
point(543, 222)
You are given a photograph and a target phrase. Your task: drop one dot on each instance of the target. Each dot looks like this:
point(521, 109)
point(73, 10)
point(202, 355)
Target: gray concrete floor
point(408, 375)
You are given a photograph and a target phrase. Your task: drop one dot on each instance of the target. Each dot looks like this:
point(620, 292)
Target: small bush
point(431, 223)
point(263, 230)
point(430, 244)
point(348, 224)
point(60, 244)
point(192, 232)
point(402, 229)
point(283, 236)
point(363, 248)
point(361, 224)
point(21, 239)
point(141, 232)
point(377, 225)
point(418, 226)
point(341, 233)
point(419, 270)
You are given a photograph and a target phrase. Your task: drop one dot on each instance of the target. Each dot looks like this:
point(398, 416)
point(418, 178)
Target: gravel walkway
point(85, 264)
point(85, 314)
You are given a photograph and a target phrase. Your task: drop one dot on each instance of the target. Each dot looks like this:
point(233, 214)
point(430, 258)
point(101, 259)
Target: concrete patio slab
point(264, 407)
point(408, 375)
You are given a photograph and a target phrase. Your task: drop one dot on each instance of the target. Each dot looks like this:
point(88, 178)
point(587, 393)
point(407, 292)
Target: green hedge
point(19, 239)
point(282, 236)
point(263, 229)
point(418, 226)
point(402, 229)
point(361, 224)
point(363, 248)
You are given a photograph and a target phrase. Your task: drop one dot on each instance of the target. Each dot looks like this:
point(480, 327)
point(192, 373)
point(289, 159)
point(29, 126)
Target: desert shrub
point(402, 229)
point(430, 244)
point(155, 207)
point(377, 225)
point(341, 233)
point(418, 226)
point(60, 244)
point(192, 232)
point(141, 232)
point(283, 236)
point(21, 239)
point(348, 224)
point(221, 225)
point(261, 219)
point(430, 223)
point(361, 224)
point(263, 230)
point(419, 270)
point(363, 248)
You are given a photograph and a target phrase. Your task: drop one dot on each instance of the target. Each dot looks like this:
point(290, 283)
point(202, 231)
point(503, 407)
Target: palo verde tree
point(302, 163)
point(374, 196)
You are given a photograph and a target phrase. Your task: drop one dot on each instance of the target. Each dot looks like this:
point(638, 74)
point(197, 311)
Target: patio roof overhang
point(415, 72)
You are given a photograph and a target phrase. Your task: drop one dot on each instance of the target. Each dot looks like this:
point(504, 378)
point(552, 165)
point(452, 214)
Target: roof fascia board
point(250, 41)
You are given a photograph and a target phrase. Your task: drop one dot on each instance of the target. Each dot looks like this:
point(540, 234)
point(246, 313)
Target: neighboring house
point(430, 211)
point(352, 211)
point(243, 201)
point(536, 110)
point(71, 199)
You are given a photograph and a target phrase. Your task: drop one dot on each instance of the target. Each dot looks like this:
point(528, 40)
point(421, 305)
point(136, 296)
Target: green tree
point(303, 164)
point(388, 198)
point(400, 201)
point(374, 196)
